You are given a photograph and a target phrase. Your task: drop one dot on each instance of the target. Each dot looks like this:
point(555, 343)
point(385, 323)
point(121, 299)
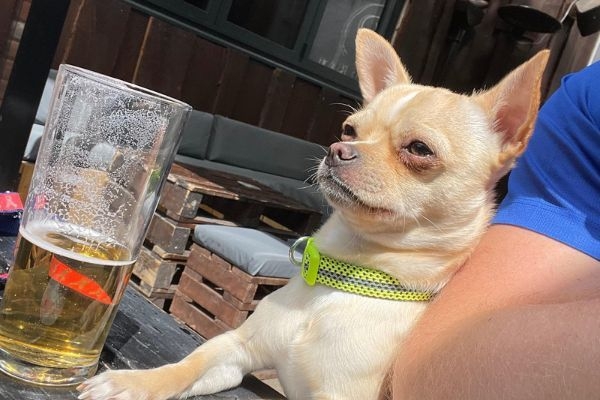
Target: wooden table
point(142, 336)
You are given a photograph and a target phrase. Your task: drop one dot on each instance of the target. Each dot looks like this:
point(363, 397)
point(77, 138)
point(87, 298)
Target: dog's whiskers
point(415, 218)
point(351, 110)
point(309, 185)
point(433, 224)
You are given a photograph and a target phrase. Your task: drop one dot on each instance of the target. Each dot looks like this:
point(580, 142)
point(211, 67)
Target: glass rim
point(122, 85)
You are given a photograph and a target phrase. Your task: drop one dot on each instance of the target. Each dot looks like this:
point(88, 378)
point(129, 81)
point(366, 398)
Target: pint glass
point(104, 155)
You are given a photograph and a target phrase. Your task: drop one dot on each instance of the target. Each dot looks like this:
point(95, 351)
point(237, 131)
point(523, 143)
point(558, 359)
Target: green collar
point(318, 268)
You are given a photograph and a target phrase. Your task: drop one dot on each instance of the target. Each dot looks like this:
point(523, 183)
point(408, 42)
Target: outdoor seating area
point(268, 85)
point(218, 221)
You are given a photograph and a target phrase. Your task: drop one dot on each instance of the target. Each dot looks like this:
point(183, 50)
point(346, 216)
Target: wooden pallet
point(156, 274)
point(169, 235)
point(196, 195)
point(214, 296)
point(175, 236)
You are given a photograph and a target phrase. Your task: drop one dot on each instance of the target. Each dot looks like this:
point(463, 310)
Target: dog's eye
point(419, 148)
point(348, 132)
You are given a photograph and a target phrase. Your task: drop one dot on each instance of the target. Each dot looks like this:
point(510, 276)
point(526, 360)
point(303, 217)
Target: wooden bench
point(229, 271)
point(214, 296)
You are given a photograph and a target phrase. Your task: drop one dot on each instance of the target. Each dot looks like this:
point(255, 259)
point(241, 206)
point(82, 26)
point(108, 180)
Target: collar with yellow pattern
point(324, 270)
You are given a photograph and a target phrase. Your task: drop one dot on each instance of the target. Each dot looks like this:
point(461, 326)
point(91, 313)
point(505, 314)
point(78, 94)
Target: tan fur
point(415, 217)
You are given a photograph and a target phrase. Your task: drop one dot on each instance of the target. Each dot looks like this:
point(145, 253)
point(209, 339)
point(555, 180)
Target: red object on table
point(11, 209)
point(10, 202)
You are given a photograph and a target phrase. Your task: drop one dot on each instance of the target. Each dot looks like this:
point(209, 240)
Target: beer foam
point(36, 234)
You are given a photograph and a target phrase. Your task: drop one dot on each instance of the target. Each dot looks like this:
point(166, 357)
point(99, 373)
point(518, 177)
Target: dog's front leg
point(218, 364)
point(224, 363)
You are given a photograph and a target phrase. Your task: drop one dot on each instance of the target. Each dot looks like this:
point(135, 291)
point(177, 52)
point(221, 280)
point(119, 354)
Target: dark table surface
point(142, 336)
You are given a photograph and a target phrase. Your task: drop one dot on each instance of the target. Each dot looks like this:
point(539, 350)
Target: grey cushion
point(35, 135)
point(243, 145)
point(195, 135)
point(33, 143)
point(42, 111)
point(302, 192)
point(253, 251)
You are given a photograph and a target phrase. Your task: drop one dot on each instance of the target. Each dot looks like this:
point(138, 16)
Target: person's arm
point(520, 320)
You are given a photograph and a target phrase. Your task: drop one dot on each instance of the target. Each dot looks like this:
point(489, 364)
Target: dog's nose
point(340, 153)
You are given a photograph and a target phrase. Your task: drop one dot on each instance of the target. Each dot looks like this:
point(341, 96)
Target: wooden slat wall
point(204, 74)
point(110, 37)
point(489, 52)
point(93, 35)
point(11, 11)
point(7, 11)
point(163, 58)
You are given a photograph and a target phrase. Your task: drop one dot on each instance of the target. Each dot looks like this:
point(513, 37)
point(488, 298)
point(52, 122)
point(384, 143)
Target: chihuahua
point(412, 186)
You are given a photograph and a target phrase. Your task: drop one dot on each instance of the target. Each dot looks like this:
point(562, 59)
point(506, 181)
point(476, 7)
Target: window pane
point(276, 20)
point(203, 4)
point(333, 45)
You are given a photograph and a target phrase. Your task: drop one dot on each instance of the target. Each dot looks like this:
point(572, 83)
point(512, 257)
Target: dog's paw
point(116, 385)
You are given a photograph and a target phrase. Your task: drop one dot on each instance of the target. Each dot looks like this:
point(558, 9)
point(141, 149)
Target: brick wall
point(11, 28)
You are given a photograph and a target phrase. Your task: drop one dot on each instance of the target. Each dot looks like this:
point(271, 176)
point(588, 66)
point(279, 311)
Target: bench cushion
point(42, 112)
point(33, 143)
point(243, 145)
point(253, 251)
point(195, 135)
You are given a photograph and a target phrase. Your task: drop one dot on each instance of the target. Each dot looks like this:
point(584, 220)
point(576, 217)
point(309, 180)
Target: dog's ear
point(377, 64)
point(513, 105)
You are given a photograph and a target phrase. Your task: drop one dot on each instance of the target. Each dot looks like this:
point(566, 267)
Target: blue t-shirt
point(555, 188)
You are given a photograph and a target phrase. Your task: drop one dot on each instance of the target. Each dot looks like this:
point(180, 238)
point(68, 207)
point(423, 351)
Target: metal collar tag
point(311, 259)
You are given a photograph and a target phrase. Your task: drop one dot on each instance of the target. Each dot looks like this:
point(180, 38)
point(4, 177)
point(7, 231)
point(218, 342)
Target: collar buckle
point(311, 259)
point(292, 252)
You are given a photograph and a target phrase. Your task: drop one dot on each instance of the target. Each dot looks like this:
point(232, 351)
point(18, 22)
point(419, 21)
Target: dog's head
point(419, 161)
